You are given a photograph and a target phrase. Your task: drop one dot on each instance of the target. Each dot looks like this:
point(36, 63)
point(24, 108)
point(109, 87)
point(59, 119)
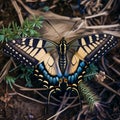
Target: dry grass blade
point(113, 69)
point(116, 59)
point(17, 93)
point(108, 5)
point(5, 70)
point(84, 111)
point(29, 89)
point(58, 113)
point(64, 102)
point(109, 88)
point(103, 26)
point(45, 98)
point(97, 15)
point(36, 91)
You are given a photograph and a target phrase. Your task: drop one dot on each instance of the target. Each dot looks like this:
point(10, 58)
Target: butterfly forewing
point(91, 47)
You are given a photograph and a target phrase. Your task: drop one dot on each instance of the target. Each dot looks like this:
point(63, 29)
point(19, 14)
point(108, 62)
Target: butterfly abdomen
point(62, 63)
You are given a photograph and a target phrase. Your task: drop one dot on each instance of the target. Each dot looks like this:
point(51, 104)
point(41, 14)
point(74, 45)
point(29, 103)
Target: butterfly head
point(63, 41)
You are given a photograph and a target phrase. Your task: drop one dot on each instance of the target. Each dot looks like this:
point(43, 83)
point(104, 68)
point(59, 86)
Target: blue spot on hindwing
point(41, 67)
point(51, 80)
point(48, 76)
point(69, 78)
point(45, 73)
point(79, 70)
point(72, 78)
point(76, 76)
point(54, 80)
point(82, 64)
point(57, 79)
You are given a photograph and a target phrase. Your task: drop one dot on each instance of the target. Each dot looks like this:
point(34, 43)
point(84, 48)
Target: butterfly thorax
point(62, 55)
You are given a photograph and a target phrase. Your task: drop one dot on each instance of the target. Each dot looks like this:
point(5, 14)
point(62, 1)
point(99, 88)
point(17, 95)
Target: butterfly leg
point(53, 89)
point(74, 88)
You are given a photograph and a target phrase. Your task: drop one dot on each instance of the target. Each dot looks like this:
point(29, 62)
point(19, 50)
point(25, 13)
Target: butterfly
point(60, 65)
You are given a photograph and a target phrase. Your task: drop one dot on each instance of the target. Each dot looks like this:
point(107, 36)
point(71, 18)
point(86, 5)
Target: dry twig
point(18, 10)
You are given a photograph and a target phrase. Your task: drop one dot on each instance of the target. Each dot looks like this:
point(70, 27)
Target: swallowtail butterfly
point(60, 66)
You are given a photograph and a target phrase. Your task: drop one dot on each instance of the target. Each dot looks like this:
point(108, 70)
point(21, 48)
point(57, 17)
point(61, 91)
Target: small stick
point(96, 15)
point(62, 110)
point(64, 101)
point(102, 26)
point(116, 60)
point(108, 5)
point(30, 98)
point(5, 70)
point(29, 89)
point(18, 10)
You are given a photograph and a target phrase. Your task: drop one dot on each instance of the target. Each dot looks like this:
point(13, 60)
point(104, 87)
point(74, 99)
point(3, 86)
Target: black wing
point(32, 52)
point(89, 49)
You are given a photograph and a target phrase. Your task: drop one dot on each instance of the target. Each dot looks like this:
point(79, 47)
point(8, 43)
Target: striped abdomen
point(62, 63)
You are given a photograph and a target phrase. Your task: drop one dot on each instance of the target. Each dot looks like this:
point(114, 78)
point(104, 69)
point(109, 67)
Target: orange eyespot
point(60, 80)
point(65, 80)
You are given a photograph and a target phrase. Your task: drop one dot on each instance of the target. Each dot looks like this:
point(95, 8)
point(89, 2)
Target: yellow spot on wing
point(51, 61)
point(31, 42)
point(81, 53)
point(29, 50)
point(74, 65)
point(95, 45)
point(22, 47)
point(26, 48)
point(87, 49)
point(83, 41)
point(100, 41)
point(112, 37)
point(105, 35)
point(97, 42)
point(39, 45)
point(97, 35)
point(92, 47)
point(36, 70)
point(90, 39)
point(53, 71)
point(18, 45)
point(40, 54)
point(34, 52)
point(49, 64)
point(75, 59)
point(48, 59)
point(23, 39)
